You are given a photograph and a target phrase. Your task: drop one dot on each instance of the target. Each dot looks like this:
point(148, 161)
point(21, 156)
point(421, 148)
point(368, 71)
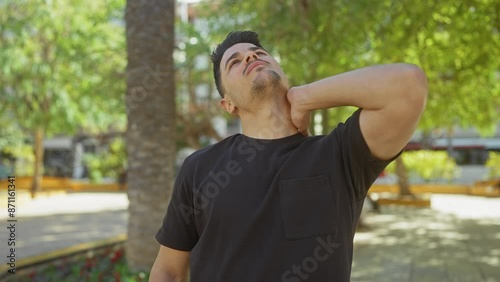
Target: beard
point(266, 84)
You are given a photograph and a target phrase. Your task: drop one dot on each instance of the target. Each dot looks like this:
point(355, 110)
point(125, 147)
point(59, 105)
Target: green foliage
point(14, 146)
point(428, 165)
point(493, 163)
point(62, 67)
point(62, 64)
point(24, 158)
point(310, 39)
point(195, 90)
point(110, 162)
point(457, 44)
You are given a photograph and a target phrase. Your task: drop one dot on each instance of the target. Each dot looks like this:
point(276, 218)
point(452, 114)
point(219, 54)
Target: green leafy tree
point(62, 67)
point(16, 156)
point(456, 43)
point(110, 162)
point(310, 43)
point(195, 96)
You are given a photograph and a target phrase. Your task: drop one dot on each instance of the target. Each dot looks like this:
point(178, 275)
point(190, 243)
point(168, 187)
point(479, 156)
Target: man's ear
point(227, 105)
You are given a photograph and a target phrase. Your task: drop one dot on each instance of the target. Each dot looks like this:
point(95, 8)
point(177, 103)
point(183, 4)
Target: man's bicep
point(387, 131)
point(170, 265)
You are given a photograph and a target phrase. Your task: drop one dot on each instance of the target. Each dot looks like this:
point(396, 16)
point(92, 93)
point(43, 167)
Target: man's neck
point(271, 121)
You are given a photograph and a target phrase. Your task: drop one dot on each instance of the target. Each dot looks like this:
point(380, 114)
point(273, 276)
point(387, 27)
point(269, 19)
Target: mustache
point(256, 60)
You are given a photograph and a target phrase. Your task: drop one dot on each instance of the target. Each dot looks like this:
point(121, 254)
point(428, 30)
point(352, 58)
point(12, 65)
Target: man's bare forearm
point(370, 88)
point(161, 272)
point(392, 97)
point(161, 276)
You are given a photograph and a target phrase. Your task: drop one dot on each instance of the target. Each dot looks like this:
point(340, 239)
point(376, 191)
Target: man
point(272, 203)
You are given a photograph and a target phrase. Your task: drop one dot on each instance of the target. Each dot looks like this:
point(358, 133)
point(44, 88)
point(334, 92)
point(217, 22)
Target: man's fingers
point(305, 132)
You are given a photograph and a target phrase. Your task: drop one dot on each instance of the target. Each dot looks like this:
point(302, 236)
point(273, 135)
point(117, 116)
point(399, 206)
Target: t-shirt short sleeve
point(178, 230)
point(361, 167)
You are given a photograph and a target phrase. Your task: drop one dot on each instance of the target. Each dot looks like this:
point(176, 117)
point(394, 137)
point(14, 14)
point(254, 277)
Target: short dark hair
point(234, 37)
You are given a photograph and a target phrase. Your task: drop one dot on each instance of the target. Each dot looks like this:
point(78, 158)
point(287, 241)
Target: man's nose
point(250, 55)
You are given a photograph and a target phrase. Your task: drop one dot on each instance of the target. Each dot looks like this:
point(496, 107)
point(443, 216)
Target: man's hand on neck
point(300, 117)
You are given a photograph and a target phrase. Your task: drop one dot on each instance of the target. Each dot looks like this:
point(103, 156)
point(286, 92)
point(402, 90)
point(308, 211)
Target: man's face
point(249, 74)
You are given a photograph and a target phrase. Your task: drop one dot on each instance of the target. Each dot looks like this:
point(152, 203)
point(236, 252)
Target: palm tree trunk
point(150, 136)
point(38, 171)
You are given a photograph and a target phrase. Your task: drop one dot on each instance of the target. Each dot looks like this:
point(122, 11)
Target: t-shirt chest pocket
point(307, 207)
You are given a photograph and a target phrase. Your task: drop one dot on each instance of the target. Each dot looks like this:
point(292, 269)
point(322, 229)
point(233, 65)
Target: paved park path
point(456, 240)
point(64, 220)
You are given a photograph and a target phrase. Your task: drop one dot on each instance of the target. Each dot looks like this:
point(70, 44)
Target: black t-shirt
point(272, 210)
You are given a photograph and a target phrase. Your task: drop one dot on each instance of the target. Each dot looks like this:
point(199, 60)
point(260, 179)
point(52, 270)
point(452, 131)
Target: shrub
point(107, 163)
point(493, 163)
point(428, 164)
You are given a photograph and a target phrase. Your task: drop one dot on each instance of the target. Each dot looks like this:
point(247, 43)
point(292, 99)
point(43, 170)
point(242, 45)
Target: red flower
point(117, 255)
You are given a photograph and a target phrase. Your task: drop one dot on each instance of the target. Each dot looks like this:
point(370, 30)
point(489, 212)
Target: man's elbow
point(418, 87)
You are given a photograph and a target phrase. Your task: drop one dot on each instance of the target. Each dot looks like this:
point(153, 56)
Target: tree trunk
point(402, 173)
point(150, 102)
point(38, 171)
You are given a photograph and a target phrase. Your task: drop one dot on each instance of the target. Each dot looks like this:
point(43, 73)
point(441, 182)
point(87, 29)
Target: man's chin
point(267, 81)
